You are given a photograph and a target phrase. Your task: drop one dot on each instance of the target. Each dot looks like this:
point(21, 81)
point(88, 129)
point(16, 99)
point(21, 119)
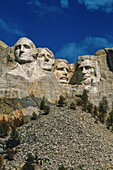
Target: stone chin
point(23, 59)
point(87, 81)
point(63, 80)
point(46, 67)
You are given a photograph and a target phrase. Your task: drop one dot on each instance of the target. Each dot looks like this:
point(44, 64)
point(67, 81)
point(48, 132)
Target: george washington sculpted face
point(23, 50)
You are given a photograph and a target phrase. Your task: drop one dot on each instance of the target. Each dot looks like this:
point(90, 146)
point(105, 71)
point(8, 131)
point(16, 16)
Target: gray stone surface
point(67, 137)
point(21, 79)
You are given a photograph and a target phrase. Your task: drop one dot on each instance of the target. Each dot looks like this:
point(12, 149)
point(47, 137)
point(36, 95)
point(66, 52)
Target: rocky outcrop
point(64, 136)
point(22, 74)
point(68, 137)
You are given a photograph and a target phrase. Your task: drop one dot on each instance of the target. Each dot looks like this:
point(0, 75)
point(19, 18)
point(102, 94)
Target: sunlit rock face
point(26, 69)
point(25, 65)
point(45, 59)
point(23, 50)
point(22, 75)
point(61, 70)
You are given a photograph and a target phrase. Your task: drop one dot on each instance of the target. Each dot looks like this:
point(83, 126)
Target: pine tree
point(72, 106)
point(61, 101)
point(29, 164)
point(103, 107)
point(42, 104)
point(84, 97)
point(109, 121)
point(14, 139)
point(4, 127)
point(46, 110)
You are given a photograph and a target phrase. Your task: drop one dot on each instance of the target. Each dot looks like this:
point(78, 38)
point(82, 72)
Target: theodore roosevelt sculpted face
point(61, 71)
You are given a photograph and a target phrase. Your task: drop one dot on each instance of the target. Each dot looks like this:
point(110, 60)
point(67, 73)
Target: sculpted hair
point(59, 61)
point(47, 49)
point(26, 40)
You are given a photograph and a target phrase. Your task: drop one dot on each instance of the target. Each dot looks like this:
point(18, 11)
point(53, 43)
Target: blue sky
point(69, 28)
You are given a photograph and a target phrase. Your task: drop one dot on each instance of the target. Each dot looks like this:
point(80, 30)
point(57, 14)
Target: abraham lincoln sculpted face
point(86, 72)
point(23, 50)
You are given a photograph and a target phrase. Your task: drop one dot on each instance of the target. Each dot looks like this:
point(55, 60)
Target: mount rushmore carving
point(26, 69)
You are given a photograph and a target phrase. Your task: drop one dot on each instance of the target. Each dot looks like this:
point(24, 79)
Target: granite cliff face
point(26, 70)
point(72, 137)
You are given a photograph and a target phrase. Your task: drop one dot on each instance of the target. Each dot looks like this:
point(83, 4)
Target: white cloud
point(64, 3)
point(88, 46)
point(103, 5)
point(54, 6)
point(10, 27)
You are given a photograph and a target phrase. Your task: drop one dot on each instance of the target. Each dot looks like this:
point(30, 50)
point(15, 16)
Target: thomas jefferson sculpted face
point(45, 58)
point(23, 50)
point(61, 71)
point(86, 72)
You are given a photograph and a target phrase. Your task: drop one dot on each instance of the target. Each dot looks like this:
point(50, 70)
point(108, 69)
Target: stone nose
point(84, 70)
point(64, 71)
point(22, 48)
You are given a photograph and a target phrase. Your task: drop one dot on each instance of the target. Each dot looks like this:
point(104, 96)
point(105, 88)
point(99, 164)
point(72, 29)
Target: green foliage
point(61, 167)
point(89, 107)
point(96, 111)
point(14, 139)
point(29, 164)
point(41, 161)
point(44, 107)
point(101, 117)
point(72, 106)
point(83, 101)
point(84, 97)
point(109, 121)
point(46, 110)
point(103, 107)
point(61, 101)
point(17, 122)
point(10, 154)
point(4, 107)
point(34, 116)
point(1, 161)
point(79, 102)
point(30, 158)
point(4, 128)
point(42, 104)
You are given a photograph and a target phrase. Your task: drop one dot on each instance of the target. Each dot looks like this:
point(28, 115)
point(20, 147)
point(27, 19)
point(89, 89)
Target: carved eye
point(81, 68)
point(49, 56)
point(60, 68)
point(18, 47)
point(87, 67)
point(26, 46)
point(67, 69)
point(41, 55)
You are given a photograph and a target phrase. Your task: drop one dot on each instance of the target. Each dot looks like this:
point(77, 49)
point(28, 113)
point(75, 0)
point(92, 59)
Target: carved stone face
point(61, 71)
point(23, 50)
point(45, 59)
point(86, 72)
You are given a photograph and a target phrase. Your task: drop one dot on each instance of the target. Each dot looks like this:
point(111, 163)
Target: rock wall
point(21, 78)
